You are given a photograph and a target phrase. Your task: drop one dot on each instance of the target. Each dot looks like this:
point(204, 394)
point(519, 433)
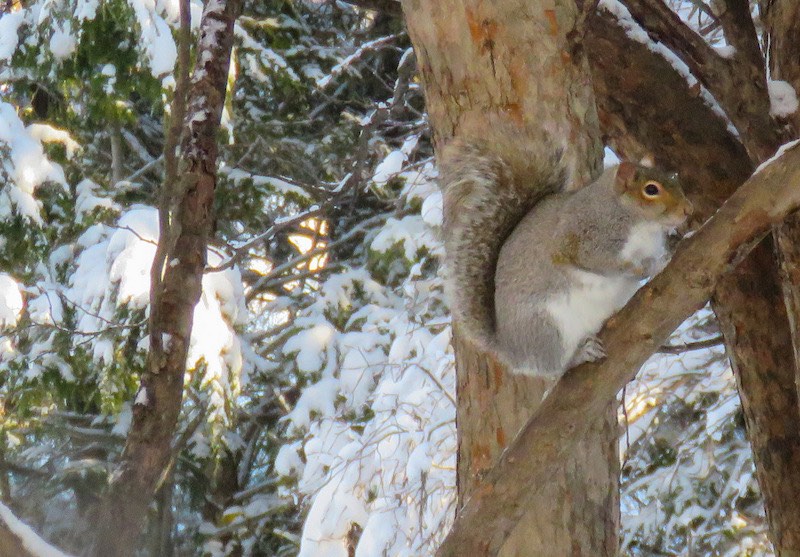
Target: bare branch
point(17, 539)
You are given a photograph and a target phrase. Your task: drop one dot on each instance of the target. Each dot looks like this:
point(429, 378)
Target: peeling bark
point(173, 298)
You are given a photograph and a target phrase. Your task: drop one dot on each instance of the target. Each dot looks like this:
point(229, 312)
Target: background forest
point(318, 414)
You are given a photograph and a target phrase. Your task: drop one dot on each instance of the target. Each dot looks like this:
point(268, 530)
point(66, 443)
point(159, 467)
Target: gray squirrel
point(534, 271)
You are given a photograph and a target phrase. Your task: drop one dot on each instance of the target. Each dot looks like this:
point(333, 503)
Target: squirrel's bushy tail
point(484, 199)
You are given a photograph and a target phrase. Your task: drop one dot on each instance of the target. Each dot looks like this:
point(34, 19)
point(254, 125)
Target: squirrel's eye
point(652, 189)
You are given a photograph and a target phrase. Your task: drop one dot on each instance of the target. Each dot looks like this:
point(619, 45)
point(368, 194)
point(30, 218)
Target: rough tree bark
point(779, 457)
point(581, 396)
point(178, 271)
point(491, 67)
point(782, 23)
point(675, 125)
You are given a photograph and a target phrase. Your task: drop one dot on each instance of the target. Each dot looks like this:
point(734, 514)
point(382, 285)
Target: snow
point(310, 346)
point(432, 211)
point(112, 271)
point(278, 185)
point(86, 9)
point(26, 164)
point(411, 232)
point(347, 64)
point(635, 32)
point(726, 51)
point(610, 158)
point(9, 27)
point(778, 154)
point(394, 477)
point(63, 44)
point(11, 302)
point(329, 523)
point(103, 351)
point(266, 57)
point(87, 200)
point(46, 133)
point(389, 167)
point(214, 339)
point(288, 461)
point(46, 308)
point(141, 397)
point(783, 98)
point(157, 41)
point(30, 540)
point(110, 72)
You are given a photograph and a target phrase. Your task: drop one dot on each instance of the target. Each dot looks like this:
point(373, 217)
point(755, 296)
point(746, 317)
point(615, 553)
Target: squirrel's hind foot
point(590, 350)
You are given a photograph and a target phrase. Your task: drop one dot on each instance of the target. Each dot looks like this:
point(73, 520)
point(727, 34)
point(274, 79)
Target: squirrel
point(533, 271)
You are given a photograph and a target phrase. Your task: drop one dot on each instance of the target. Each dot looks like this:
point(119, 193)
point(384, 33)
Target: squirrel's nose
point(688, 209)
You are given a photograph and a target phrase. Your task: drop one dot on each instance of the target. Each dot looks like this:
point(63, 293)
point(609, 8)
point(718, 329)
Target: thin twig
point(689, 346)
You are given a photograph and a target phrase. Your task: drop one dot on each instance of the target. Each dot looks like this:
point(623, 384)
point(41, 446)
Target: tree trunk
point(489, 68)
point(780, 452)
point(177, 274)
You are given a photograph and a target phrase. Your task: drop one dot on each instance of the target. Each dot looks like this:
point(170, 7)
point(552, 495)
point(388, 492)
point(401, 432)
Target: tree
point(483, 78)
point(739, 84)
point(714, 162)
point(70, 378)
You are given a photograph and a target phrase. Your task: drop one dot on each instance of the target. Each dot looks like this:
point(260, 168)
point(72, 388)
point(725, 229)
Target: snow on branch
point(348, 62)
point(738, 82)
point(18, 539)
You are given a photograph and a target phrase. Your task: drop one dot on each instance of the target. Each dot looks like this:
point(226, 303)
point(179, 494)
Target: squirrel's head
point(652, 193)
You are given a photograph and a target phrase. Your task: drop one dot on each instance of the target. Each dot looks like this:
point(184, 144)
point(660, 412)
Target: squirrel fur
point(534, 271)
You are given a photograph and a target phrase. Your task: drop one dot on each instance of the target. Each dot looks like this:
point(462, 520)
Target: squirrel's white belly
point(581, 311)
point(646, 243)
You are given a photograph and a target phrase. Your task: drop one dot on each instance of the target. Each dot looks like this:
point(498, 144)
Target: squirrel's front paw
point(590, 350)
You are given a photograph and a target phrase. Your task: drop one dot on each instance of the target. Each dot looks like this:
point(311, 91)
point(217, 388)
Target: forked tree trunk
point(489, 68)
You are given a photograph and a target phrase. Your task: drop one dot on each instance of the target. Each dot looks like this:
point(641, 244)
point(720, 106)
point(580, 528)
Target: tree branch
point(17, 539)
point(665, 26)
point(689, 346)
point(738, 83)
point(580, 397)
point(391, 7)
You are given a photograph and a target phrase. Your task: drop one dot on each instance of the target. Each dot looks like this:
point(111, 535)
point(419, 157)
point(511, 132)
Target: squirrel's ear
point(625, 174)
